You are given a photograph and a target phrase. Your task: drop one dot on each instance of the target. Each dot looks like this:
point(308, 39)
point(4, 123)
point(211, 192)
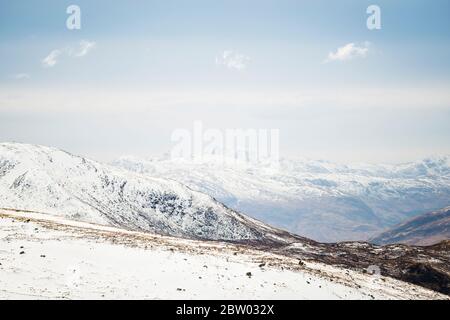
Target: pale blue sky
point(153, 69)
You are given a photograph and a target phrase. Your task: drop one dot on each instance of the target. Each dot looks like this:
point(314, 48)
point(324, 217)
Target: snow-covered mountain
point(426, 229)
point(39, 183)
point(52, 181)
point(317, 199)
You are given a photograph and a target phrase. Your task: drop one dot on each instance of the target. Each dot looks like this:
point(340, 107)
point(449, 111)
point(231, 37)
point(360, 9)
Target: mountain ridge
point(50, 180)
point(317, 199)
point(426, 229)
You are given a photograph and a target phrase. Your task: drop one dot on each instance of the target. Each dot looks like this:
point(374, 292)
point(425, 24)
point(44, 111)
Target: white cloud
point(85, 47)
point(348, 52)
point(21, 76)
point(51, 59)
point(233, 60)
point(81, 50)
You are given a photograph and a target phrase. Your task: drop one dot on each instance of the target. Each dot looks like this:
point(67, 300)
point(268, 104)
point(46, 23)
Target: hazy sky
point(137, 70)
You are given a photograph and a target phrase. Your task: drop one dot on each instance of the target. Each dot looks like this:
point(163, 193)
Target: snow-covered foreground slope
point(316, 199)
point(39, 178)
point(48, 257)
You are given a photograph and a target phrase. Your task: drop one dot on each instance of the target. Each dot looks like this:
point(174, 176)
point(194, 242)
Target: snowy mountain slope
point(426, 229)
point(317, 199)
point(70, 188)
point(49, 180)
point(47, 257)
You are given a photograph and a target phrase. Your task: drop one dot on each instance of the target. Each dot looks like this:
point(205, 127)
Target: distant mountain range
point(317, 199)
point(426, 229)
point(52, 181)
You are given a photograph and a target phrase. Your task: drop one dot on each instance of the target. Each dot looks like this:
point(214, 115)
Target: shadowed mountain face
point(320, 200)
point(52, 181)
point(426, 229)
